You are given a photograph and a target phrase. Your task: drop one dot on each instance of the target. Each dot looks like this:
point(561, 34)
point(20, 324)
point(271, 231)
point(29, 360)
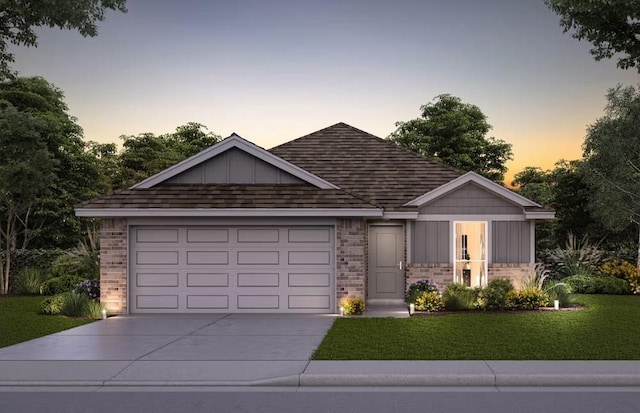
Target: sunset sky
point(275, 70)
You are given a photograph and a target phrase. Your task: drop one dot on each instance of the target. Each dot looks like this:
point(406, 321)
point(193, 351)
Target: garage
point(206, 269)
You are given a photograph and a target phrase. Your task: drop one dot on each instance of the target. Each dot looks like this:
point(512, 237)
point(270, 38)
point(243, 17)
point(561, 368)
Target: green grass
point(20, 321)
point(609, 329)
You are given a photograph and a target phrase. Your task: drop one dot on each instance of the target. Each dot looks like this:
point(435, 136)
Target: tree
point(611, 26)
point(76, 170)
point(455, 133)
point(147, 154)
point(19, 18)
point(26, 171)
point(612, 154)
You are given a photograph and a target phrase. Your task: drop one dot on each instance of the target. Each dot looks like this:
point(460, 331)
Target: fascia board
point(228, 212)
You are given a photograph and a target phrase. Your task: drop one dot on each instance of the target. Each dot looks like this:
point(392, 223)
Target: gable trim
point(478, 180)
point(234, 141)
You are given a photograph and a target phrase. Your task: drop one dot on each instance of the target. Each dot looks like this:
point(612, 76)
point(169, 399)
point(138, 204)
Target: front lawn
point(609, 329)
point(20, 321)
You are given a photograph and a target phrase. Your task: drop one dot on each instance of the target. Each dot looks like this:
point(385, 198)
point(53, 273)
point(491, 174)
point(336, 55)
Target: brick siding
point(113, 264)
point(351, 257)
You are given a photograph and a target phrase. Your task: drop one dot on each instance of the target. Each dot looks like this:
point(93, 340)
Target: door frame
point(403, 240)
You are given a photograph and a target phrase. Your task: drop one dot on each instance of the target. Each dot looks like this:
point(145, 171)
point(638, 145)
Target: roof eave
point(228, 212)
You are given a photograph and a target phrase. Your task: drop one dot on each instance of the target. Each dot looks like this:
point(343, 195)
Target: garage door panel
point(205, 235)
point(207, 257)
point(318, 302)
point(261, 235)
point(164, 302)
point(231, 269)
point(309, 235)
point(258, 302)
point(156, 235)
point(157, 258)
point(207, 279)
point(309, 279)
point(156, 279)
point(258, 257)
point(216, 302)
point(258, 280)
point(309, 258)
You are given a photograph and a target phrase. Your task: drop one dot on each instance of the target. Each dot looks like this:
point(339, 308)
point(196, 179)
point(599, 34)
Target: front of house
point(335, 213)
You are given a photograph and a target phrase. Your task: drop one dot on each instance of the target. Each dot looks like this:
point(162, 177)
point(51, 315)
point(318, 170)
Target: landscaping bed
point(607, 329)
point(20, 320)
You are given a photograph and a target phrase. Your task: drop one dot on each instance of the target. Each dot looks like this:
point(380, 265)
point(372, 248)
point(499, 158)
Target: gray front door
point(386, 262)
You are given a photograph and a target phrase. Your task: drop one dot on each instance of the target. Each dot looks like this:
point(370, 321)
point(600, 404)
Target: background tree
point(611, 26)
point(26, 171)
point(455, 133)
point(75, 169)
point(612, 154)
point(146, 154)
point(19, 18)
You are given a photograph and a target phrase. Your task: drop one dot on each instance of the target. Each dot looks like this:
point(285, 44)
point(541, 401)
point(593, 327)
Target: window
point(470, 253)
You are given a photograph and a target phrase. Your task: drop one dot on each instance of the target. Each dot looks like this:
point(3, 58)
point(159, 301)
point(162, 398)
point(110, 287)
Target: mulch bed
point(514, 312)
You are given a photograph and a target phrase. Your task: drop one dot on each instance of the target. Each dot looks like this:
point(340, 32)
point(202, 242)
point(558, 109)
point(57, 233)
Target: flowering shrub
point(89, 288)
point(530, 298)
point(352, 305)
point(623, 270)
point(429, 301)
point(417, 288)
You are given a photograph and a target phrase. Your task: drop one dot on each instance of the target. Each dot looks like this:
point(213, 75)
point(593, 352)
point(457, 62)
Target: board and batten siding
point(511, 242)
point(430, 242)
point(234, 167)
point(470, 199)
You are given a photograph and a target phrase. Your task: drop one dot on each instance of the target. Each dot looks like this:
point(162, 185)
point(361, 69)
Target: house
point(335, 213)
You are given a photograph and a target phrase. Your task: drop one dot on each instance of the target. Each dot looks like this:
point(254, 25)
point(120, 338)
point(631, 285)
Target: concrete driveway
point(165, 349)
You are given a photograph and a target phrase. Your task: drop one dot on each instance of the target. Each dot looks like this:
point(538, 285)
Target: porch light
point(412, 308)
point(104, 313)
point(341, 311)
point(556, 304)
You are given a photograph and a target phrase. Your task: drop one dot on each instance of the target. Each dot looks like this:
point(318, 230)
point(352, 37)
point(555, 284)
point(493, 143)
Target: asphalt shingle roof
point(228, 196)
point(366, 165)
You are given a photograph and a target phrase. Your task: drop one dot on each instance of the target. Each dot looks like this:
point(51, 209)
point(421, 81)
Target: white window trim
point(487, 246)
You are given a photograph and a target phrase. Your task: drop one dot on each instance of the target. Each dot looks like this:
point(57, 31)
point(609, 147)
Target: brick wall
point(113, 264)
point(442, 273)
point(513, 272)
point(351, 259)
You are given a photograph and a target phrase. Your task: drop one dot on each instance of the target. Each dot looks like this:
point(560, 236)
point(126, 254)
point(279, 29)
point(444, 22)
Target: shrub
point(417, 288)
point(579, 257)
point(52, 305)
point(89, 288)
point(623, 270)
point(29, 280)
point(57, 285)
point(494, 295)
point(352, 305)
point(614, 286)
point(93, 309)
point(73, 304)
point(559, 291)
point(457, 297)
point(530, 298)
point(535, 277)
point(582, 284)
point(429, 301)
point(22, 258)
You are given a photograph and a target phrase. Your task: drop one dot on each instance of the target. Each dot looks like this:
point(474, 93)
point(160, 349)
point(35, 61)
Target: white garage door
point(231, 269)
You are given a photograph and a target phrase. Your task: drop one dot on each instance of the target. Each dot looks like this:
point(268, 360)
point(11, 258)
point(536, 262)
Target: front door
point(386, 262)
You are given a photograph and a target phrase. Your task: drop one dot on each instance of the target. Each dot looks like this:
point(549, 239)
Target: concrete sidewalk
point(321, 373)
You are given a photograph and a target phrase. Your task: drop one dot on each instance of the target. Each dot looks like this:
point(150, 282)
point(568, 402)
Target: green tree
point(26, 172)
point(455, 132)
point(612, 27)
point(146, 154)
point(19, 18)
point(76, 171)
point(612, 154)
